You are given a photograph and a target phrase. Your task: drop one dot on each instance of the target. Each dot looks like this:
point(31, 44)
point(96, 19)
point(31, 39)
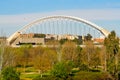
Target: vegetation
point(61, 70)
point(112, 52)
point(62, 41)
point(92, 76)
point(66, 61)
point(10, 73)
point(88, 37)
point(39, 35)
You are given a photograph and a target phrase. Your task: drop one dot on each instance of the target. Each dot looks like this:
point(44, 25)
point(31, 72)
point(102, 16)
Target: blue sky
point(14, 14)
point(33, 6)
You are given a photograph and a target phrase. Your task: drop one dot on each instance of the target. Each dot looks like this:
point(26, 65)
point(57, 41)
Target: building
point(33, 41)
point(28, 39)
point(98, 40)
point(67, 36)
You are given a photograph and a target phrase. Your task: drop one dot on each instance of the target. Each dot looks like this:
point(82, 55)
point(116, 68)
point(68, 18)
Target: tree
point(9, 73)
point(95, 58)
point(103, 57)
point(42, 63)
point(62, 41)
point(23, 55)
point(44, 59)
point(9, 57)
point(2, 49)
point(88, 51)
point(69, 51)
point(90, 55)
point(88, 37)
point(61, 70)
point(112, 49)
point(78, 60)
point(77, 41)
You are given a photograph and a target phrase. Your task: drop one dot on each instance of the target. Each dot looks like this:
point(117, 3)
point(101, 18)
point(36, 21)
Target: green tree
point(77, 41)
point(10, 73)
point(23, 55)
point(61, 70)
point(78, 61)
point(95, 58)
point(62, 41)
point(88, 37)
point(112, 49)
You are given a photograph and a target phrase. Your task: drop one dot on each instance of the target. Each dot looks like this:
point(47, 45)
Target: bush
point(92, 76)
point(10, 73)
point(84, 67)
point(62, 70)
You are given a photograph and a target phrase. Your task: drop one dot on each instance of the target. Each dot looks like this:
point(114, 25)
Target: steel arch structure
point(17, 33)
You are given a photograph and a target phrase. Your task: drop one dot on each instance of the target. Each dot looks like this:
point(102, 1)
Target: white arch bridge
point(60, 25)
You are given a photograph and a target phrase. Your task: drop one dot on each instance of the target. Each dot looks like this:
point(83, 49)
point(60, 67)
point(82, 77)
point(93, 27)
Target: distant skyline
point(14, 14)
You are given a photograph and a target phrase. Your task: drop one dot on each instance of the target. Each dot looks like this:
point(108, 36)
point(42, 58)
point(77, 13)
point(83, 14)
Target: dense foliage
point(66, 61)
point(61, 70)
point(10, 73)
point(112, 52)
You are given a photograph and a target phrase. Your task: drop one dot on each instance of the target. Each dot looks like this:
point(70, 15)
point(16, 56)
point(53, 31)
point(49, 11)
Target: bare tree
point(2, 49)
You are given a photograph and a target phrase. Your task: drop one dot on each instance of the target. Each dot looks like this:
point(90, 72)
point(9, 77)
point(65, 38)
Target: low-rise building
point(34, 41)
point(28, 39)
point(98, 40)
point(67, 36)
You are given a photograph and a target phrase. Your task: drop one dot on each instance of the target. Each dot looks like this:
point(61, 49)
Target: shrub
point(10, 73)
point(62, 70)
point(92, 76)
point(84, 67)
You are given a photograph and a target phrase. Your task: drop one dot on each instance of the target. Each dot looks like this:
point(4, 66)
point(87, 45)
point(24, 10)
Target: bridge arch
point(17, 33)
